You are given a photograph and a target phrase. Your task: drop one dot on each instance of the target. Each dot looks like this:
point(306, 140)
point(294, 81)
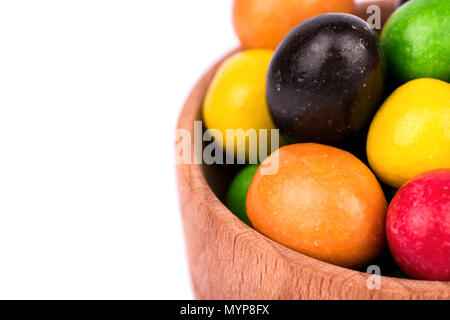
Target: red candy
point(418, 226)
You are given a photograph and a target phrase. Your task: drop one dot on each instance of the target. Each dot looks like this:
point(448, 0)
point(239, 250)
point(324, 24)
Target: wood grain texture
point(229, 260)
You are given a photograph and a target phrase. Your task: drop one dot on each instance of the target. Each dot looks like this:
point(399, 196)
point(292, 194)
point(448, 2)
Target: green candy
point(237, 193)
point(416, 40)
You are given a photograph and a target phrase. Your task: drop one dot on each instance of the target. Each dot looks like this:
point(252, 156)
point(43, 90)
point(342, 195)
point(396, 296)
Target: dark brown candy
point(326, 79)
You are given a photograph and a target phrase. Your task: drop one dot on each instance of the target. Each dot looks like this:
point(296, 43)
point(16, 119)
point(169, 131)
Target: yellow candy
point(236, 98)
point(410, 133)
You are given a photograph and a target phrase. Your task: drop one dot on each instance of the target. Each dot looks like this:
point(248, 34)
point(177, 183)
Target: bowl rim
point(190, 172)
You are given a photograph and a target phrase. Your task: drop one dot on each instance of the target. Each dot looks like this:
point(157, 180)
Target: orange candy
point(264, 23)
point(323, 202)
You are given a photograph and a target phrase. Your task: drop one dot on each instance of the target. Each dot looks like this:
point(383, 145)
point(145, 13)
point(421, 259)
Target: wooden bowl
point(229, 260)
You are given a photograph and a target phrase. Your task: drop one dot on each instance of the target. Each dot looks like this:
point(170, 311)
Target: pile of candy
point(361, 117)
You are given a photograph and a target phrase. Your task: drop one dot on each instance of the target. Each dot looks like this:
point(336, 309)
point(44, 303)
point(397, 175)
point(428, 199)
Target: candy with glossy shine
point(416, 40)
point(322, 202)
point(326, 79)
point(410, 134)
point(236, 100)
point(418, 226)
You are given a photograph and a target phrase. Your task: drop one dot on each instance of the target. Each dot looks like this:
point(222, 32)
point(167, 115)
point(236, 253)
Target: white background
point(89, 95)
